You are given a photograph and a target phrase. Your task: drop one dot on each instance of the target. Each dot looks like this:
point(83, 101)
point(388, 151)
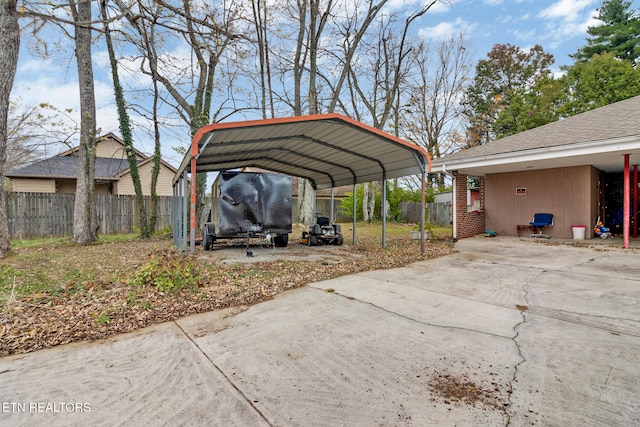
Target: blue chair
point(540, 221)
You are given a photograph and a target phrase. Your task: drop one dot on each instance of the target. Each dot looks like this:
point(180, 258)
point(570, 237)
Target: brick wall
point(468, 224)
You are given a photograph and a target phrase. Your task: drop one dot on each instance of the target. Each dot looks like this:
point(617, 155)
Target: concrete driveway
point(505, 332)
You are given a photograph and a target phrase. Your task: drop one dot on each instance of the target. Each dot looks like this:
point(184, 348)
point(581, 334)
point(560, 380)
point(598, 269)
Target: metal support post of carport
point(180, 211)
point(384, 208)
point(185, 211)
point(354, 213)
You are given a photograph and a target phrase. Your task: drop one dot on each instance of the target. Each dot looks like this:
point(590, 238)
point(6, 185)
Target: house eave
point(21, 176)
point(606, 155)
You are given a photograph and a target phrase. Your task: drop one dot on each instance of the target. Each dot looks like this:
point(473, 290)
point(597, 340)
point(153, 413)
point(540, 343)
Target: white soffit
point(607, 156)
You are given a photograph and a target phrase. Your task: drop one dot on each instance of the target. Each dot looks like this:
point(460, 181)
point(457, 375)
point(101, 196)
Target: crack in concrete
point(403, 316)
point(492, 260)
point(514, 378)
point(513, 338)
point(225, 376)
point(588, 320)
point(448, 294)
point(522, 308)
point(550, 313)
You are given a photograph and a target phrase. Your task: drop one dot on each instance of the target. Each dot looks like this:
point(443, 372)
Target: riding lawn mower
point(322, 232)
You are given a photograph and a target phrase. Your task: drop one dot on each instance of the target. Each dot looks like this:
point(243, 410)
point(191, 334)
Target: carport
point(329, 150)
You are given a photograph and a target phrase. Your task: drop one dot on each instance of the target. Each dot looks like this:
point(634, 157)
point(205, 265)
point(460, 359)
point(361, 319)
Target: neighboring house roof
point(599, 137)
point(144, 162)
point(67, 167)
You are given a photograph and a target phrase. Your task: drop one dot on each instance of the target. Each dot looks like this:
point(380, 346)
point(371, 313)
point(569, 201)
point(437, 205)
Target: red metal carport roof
point(330, 150)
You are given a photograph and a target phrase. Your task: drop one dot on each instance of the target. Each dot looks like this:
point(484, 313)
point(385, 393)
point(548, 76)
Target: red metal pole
point(194, 154)
point(423, 204)
point(635, 201)
point(626, 204)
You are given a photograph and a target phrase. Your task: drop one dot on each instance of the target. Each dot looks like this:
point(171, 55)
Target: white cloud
point(445, 30)
point(413, 5)
point(567, 19)
point(566, 10)
point(524, 35)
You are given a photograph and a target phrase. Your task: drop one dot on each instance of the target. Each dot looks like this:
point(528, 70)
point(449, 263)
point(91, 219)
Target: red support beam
point(635, 201)
point(423, 204)
point(626, 204)
point(194, 155)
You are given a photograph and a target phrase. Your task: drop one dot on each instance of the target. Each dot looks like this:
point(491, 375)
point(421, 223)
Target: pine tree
point(619, 33)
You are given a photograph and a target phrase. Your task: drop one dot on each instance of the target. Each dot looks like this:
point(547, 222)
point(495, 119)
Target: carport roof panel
point(329, 149)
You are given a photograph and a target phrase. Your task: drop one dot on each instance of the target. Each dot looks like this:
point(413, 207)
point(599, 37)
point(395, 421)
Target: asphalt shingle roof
point(67, 167)
point(592, 126)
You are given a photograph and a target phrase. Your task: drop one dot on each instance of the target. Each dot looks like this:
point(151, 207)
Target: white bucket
point(579, 231)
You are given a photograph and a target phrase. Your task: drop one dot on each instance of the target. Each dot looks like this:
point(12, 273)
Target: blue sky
point(559, 26)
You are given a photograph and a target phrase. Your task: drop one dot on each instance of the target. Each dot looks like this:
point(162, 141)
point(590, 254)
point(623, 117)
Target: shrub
point(167, 270)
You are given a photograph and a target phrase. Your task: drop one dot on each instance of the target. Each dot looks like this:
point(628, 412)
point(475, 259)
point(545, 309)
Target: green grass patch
point(37, 242)
point(17, 283)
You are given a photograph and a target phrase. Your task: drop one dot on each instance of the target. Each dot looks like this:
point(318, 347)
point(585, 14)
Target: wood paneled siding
point(33, 185)
point(107, 147)
point(163, 188)
point(570, 194)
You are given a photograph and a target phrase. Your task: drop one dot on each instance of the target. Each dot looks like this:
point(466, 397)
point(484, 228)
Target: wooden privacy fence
point(51, 214)
point(437, 213)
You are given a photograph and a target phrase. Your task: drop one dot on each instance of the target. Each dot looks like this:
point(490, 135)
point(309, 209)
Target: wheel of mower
point(281, 241)
point(339, 240)
point(313, 240)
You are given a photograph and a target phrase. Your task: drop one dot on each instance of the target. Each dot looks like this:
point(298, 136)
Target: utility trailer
point(249, 205)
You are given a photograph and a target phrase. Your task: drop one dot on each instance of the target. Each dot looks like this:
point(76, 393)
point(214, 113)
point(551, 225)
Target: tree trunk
point(306, 197)
point(125, 129)
point(372, 201)
point(84, 225)
point(365, 202)
point(317, 21)
point(155, 171)
point(9, 49)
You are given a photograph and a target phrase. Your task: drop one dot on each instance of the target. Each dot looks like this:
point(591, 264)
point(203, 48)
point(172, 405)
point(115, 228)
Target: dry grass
point(55, 292)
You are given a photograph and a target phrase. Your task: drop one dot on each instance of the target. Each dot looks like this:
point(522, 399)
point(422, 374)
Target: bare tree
point(9, 48)
point(260, 20)
point(433, 111)
point(307, 48)
point(190, 86)
point(36, 131)
point(377, 91)
point(328, 36)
